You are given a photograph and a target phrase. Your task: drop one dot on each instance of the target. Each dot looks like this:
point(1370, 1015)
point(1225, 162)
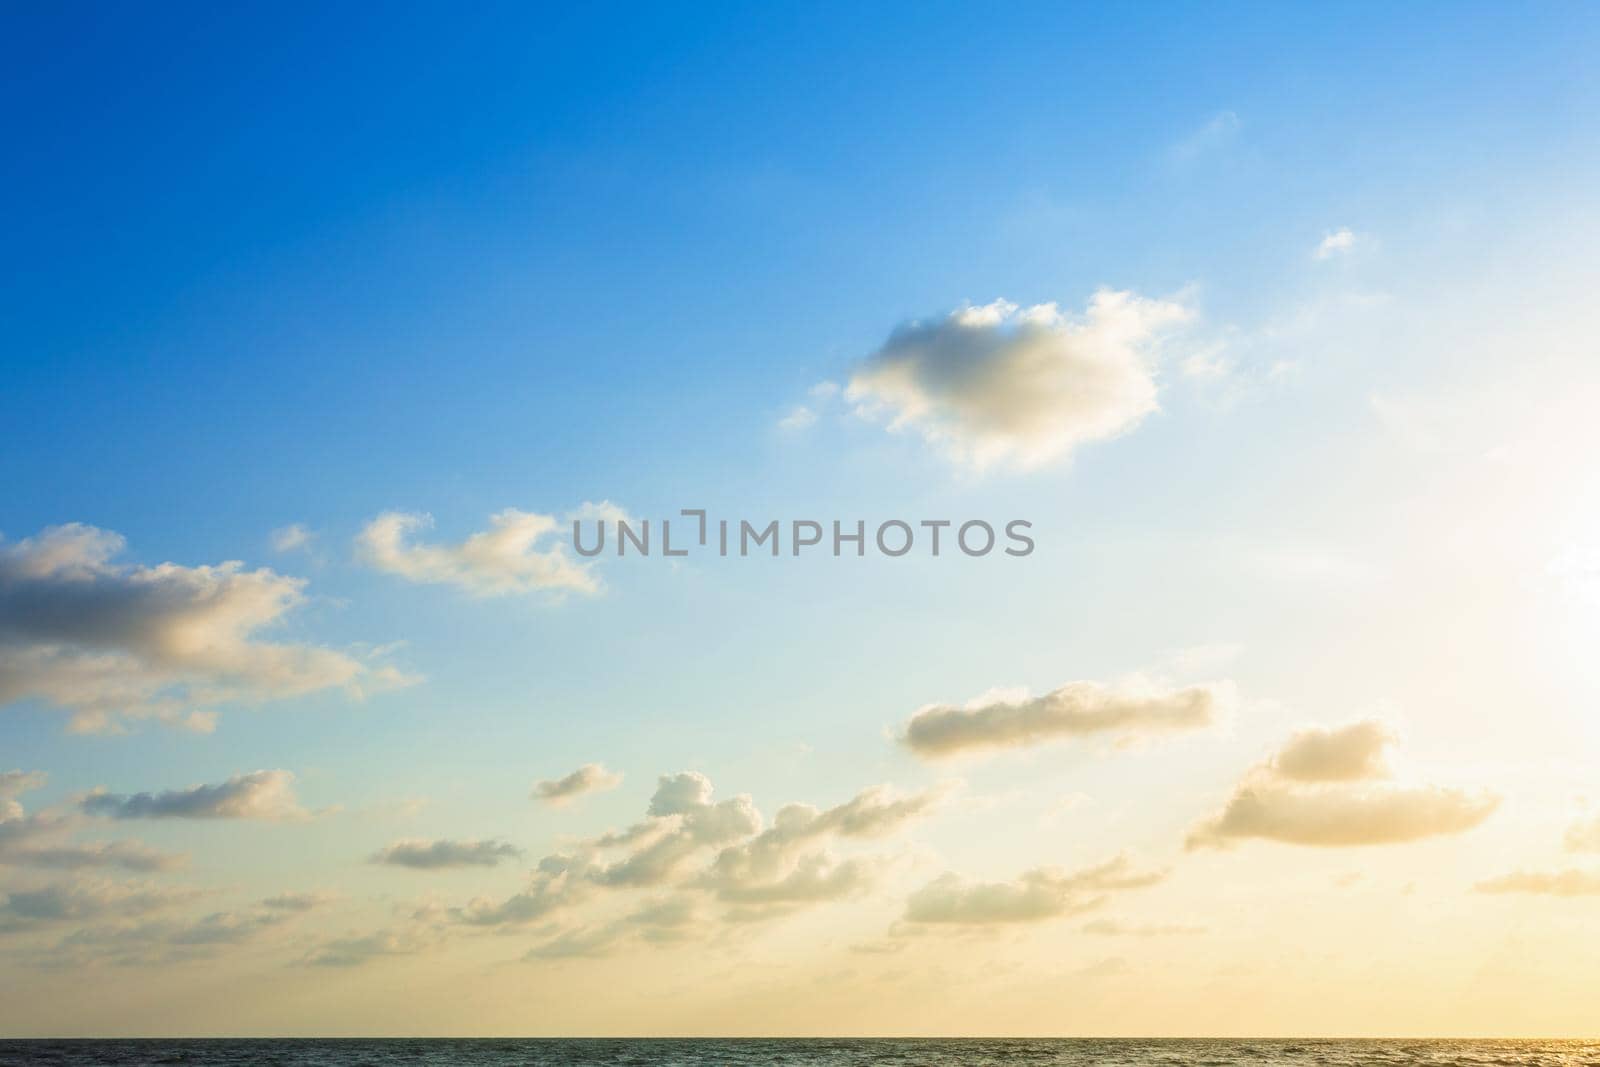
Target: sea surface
point(798, 1052)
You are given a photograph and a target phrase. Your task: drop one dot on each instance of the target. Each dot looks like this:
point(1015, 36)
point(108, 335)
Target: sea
point(795, 1052)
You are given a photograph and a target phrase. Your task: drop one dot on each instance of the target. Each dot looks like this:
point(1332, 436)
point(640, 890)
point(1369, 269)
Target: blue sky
point(273, 266)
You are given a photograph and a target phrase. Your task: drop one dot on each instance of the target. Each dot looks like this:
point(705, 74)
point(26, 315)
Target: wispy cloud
point(520, 552)
point(267, 795)
point(590, 778)
point(1567, 883)
point(436, 855)
point(1036, 895)
point(292, 538)
point(1004, 719)
point(40, 840)
point(1335, 243)
point(1212, 136)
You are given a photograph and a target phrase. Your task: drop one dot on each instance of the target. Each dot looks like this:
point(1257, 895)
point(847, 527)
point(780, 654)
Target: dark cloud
point(109, 641)
point(257, 795)
point(433, 855)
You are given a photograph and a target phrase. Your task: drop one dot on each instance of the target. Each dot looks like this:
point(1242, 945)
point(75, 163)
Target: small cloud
point(590, 778)
point(1568, 883)
point(799, 418)
point(127, 855)
point(521, 552)
point(437, 855)
point(292, 538)
point(355, 950)
point(1117, 928)
point(267, 795)
point(1217, 133)
point(15, 783)
point(1078, 709)
point(1106, 968)
point(1003, 385)
point(89, 899)
point(1335, 243)
point(1037, 895)
point(1207, 364)
point(298, 902)
point(1583, 835)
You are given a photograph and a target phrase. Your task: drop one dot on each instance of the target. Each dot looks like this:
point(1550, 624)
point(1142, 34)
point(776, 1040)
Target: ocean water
point(797, 1052)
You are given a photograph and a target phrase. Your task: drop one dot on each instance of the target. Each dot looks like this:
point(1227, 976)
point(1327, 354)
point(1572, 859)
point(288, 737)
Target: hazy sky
point(1277, 324)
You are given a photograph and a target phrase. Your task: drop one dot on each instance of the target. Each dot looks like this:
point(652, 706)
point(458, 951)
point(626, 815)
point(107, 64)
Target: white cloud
point(292, 538)
point(265, 795)
point(1014, 719)
point(1214, 135)
point(521, 552)
point(1001, 385)
point(436, 855)
point(590, 778)
point(798, 418)
point(109, 641)
point(1335, 243)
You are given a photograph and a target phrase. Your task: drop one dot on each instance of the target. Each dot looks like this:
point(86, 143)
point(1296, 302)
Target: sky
point(1275, 325)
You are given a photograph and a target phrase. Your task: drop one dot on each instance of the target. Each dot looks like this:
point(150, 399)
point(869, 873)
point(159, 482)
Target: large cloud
point(1313, 792)
point(999, 384)
point(1077, 709)
point(590, 778)
point(433, 855)
point(257, 795)
point(521, 552)
point(110, 641)
point(1039, 894)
